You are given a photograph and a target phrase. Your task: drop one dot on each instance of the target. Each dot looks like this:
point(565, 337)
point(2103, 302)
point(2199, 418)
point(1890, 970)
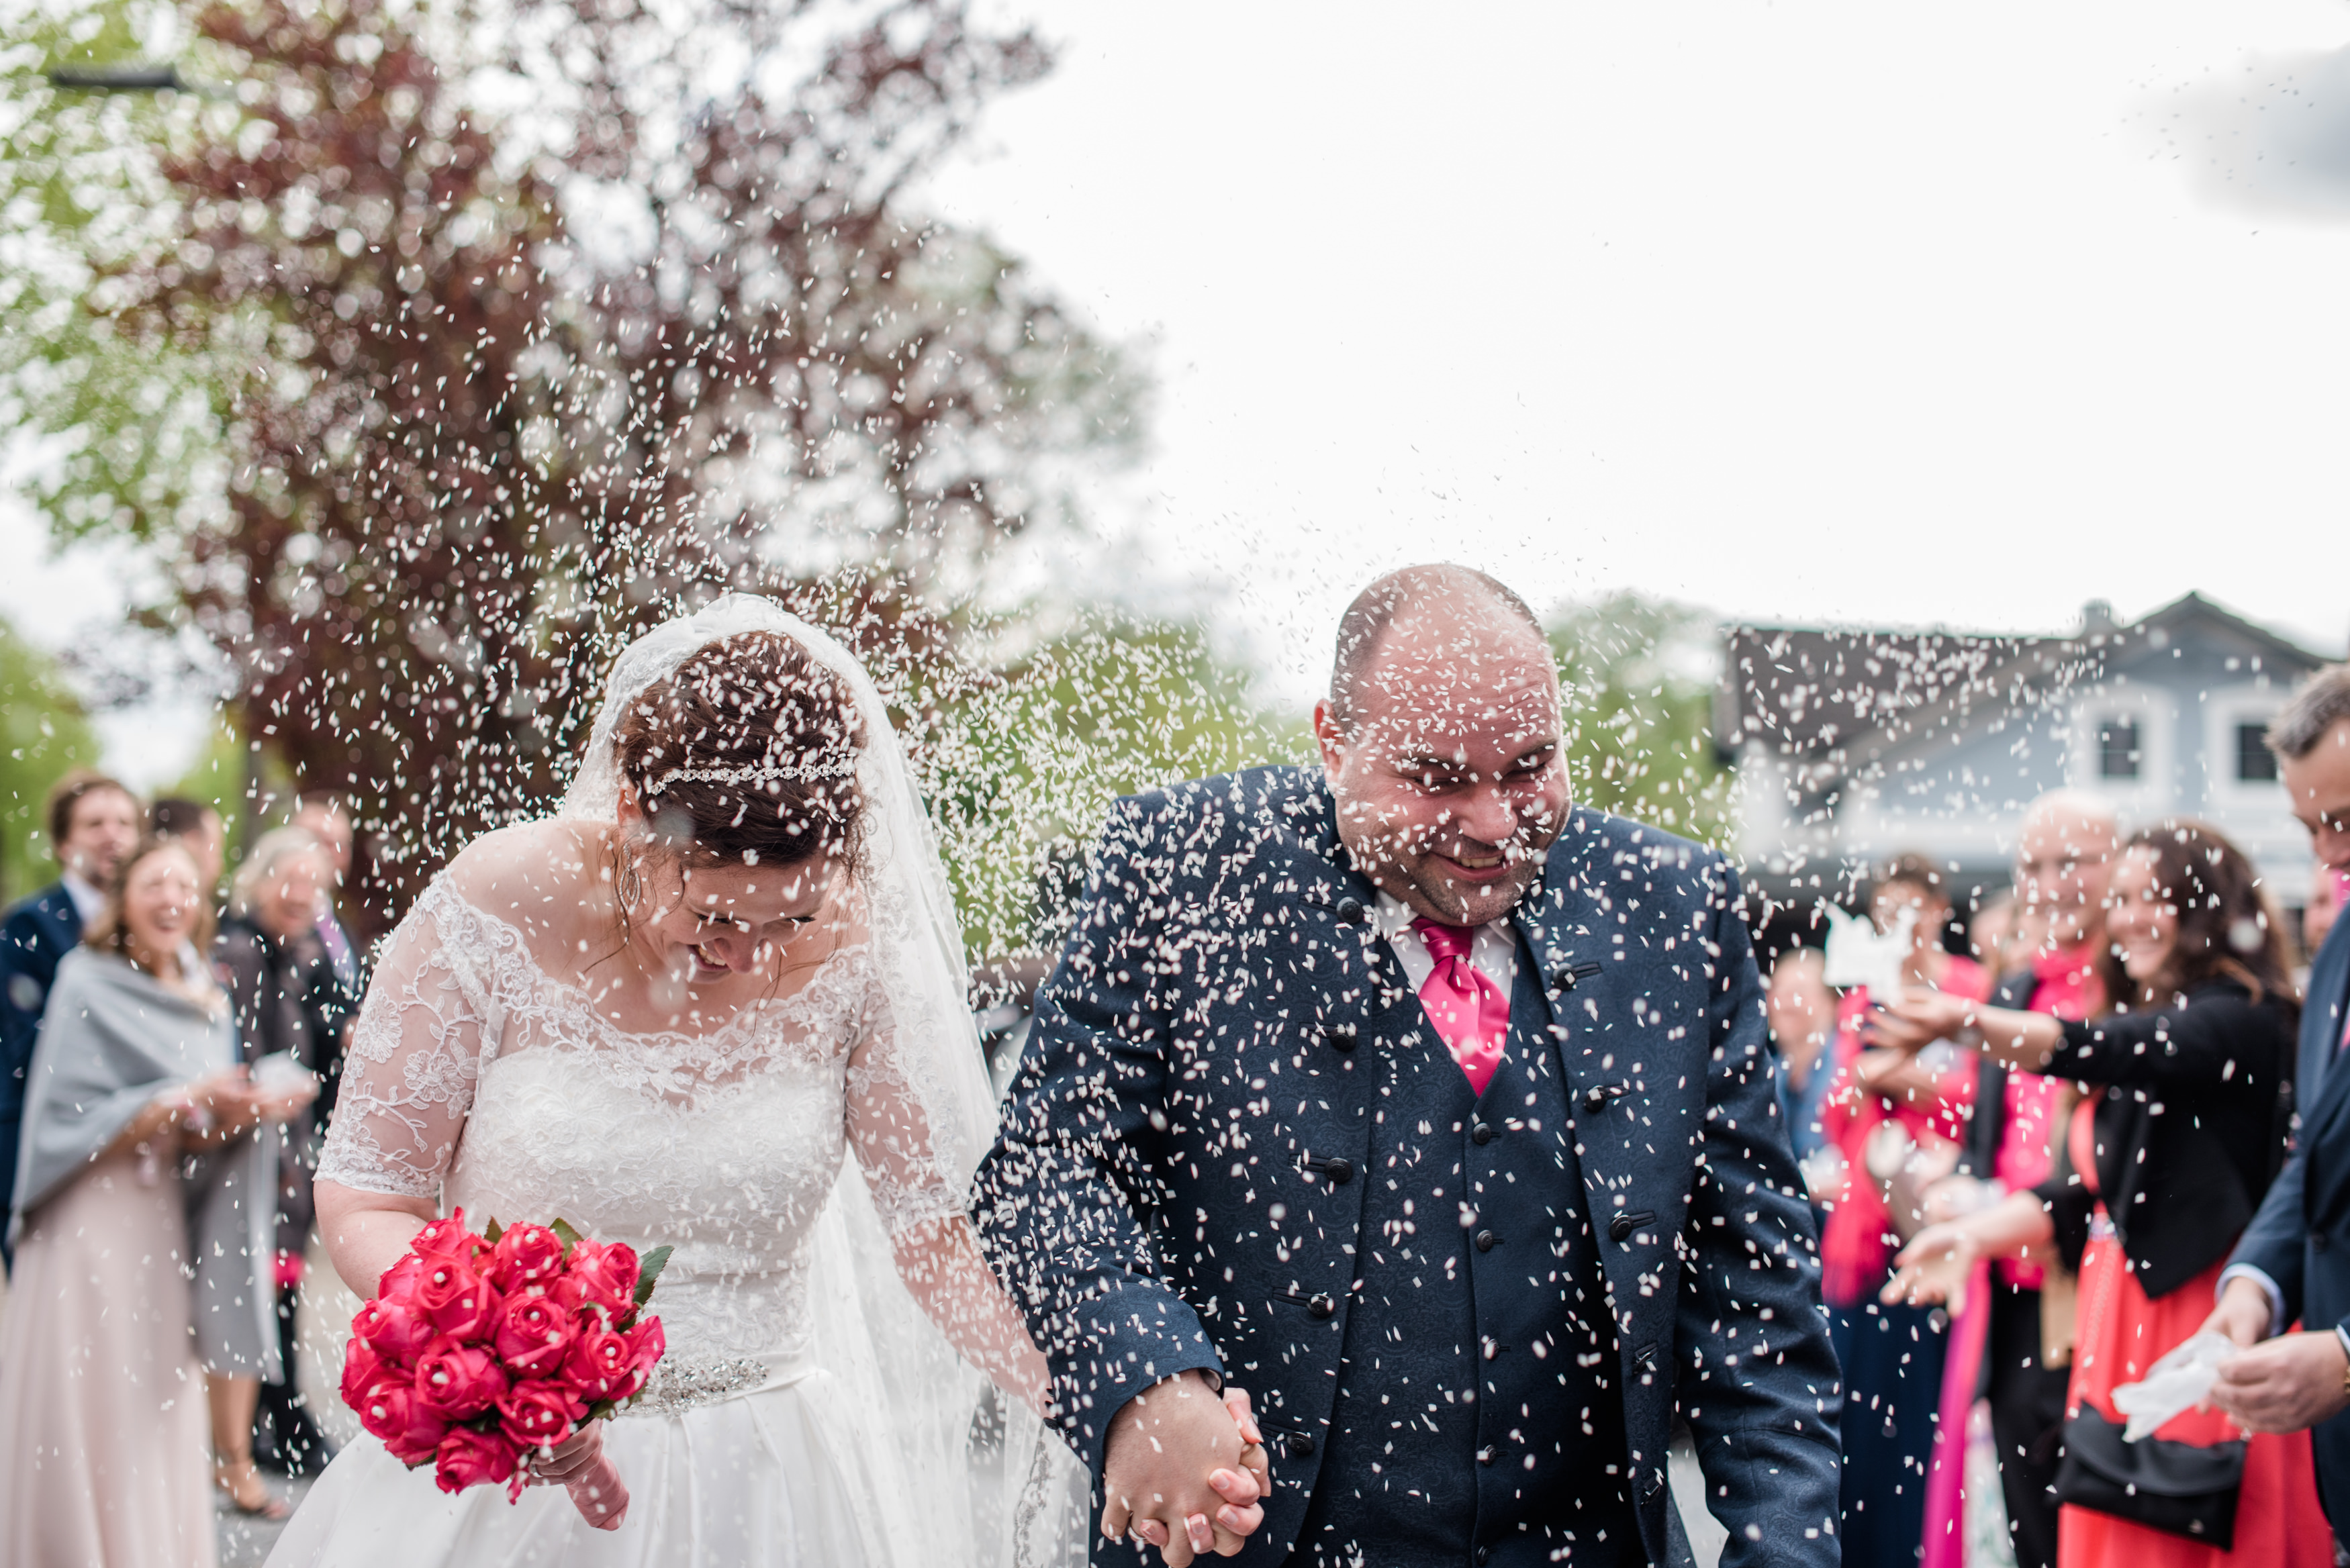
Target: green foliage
point(1638, 713)
point(132, 425)
point(1023, 769)
point(43, 735)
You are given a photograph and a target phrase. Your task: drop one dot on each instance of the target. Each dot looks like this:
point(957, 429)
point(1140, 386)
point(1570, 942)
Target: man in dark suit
point(92, 823)
point(1440, 1115)
point(2293, 1262)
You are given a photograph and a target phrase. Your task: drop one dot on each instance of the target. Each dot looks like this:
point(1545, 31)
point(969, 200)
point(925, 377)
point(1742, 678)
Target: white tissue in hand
point(2180, 1381)
point(1860, 954)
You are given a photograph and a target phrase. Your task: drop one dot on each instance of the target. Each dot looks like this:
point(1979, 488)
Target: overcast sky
point(1806, 311)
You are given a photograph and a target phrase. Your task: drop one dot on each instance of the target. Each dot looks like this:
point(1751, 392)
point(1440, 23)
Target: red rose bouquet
point(481, 1353)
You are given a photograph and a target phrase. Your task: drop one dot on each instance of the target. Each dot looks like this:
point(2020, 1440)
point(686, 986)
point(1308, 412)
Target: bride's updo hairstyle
point(746, 755)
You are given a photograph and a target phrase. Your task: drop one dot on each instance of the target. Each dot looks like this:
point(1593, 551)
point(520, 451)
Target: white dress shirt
point(1494, 952)
point(87, 901)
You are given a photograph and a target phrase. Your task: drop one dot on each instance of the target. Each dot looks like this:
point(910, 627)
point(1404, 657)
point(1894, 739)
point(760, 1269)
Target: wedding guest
point(290, 1009)
point(1801, 1011)
point(1995, 935)
point(101, 1442)
point(2327, 890)
point(322, 816)
point(1897, 1119)
point(92, 822)
point(2292, 1265)
point(198, 826)
point(2166, 1162)
point(2063, 870)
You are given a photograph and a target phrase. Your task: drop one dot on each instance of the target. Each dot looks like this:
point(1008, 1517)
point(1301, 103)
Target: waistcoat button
point(1493, 1349)
point(1340, 1036)
point(1485, 1456)
point(1339, 1171)
point(1485, 1240)
point(1481, 1132)
point(1619, 1227)
point(1321, 1307)
point(1298, 1445)
point(1350, 911)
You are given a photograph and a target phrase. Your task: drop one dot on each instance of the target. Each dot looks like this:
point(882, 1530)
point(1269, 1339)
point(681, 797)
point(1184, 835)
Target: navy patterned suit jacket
point(35, 935)
point(1217, 1034)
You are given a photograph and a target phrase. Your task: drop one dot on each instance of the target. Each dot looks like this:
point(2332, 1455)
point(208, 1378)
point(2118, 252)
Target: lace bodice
point(476, 1074)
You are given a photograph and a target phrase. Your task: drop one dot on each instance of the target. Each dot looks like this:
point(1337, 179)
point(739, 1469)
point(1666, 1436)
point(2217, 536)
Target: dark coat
point(287, 999)
point(35, 934)
point(2300, 1236)
point(1225, 1024)
point(2189, 1131)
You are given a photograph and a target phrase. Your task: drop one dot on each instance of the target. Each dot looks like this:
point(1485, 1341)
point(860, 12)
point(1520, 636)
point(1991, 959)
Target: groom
point(1435, 1112)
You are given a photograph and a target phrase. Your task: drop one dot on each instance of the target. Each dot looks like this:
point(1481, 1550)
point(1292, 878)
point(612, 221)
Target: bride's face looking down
point(739, 818)
point(703, 923)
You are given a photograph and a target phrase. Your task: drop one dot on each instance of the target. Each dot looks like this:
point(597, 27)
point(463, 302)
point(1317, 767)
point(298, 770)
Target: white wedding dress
point(807, 1414)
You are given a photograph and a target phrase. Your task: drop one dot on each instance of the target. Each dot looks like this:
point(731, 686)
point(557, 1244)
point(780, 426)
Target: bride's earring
point(628, 884)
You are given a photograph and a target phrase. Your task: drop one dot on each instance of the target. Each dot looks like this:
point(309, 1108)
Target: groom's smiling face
point(1447, 767)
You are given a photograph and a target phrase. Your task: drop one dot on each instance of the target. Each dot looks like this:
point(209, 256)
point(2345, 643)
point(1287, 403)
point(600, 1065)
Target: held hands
point(1184, 1470)
point(579, 1464)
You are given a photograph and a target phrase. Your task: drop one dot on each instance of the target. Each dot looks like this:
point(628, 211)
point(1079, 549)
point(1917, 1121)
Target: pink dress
point(104, 1446)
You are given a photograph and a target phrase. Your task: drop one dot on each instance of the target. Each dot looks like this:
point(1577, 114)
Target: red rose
point(538, 1415)
point(399, 1282)
point(533, 1335)
point(396, 1331)
point(597, 1366)
point(647, 1346)
point(458, 1380)
point(459, 1300)
point(410, 1430)
point(524, 1255)
point(446, 1239)
point(606, 1274)
point(363, 1369)
point(468, 1458)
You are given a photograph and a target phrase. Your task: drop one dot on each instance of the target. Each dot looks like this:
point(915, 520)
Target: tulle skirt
point(777, 1479)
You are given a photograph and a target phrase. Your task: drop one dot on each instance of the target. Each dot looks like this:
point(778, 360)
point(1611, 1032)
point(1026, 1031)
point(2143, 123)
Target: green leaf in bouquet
point(566, 1235)
point(491, 1232)
point(648, 1268)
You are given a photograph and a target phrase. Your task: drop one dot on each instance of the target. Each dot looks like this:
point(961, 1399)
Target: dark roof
point(1849, 696)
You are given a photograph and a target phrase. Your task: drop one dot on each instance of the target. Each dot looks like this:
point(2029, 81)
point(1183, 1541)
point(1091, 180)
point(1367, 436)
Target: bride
point(668, 1014)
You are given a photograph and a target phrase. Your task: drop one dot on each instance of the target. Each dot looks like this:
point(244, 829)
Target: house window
point(2255, 764)
point(2118, 749)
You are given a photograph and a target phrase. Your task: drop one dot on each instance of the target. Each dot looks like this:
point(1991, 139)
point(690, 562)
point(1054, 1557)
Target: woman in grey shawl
point(102, 1436)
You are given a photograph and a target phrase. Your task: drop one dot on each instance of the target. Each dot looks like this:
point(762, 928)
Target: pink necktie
point(1467, 1007)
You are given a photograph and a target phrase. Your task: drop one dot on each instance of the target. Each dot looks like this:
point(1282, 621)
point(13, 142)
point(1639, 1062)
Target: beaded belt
point(678, 1386)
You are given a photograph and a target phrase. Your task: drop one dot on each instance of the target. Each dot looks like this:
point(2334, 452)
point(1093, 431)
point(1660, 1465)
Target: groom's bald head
point(1457, 592)
point(1440, 740)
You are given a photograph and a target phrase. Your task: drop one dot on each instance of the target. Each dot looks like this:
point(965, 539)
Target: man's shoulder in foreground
point(38, 915)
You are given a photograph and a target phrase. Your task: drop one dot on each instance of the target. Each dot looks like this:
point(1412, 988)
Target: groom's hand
point(1183, 1471)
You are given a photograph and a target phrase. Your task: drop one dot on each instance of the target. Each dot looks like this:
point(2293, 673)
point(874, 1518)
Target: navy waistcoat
point(1479, 1415)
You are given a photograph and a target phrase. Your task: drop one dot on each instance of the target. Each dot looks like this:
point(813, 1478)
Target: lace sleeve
point(415, 1052)
point(910, 1181)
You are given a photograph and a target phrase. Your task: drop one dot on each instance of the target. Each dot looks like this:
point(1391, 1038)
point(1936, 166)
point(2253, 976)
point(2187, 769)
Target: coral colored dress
point(2122, 1333)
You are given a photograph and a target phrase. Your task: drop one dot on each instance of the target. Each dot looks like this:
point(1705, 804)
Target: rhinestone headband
point(837, 764)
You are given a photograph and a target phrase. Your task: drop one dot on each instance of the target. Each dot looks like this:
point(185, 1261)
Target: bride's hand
point(579, 1464)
